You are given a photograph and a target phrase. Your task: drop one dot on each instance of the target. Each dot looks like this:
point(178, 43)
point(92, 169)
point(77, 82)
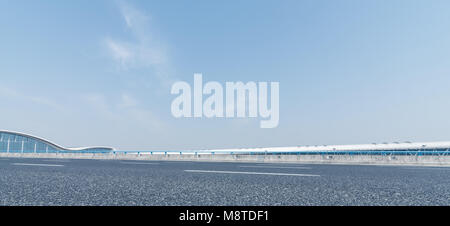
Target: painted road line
point(141, 163)
point(31, 164)
point(252, 173)
point(55, 160)
point(277, 167)
point(279, 164)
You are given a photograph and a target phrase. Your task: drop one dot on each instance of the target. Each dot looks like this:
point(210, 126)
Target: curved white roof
point(53, 144)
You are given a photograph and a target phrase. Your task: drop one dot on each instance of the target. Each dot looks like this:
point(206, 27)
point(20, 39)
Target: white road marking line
point(281, 165)
point(141, 163)
point(252, 173)
point(55, 160)
point(31, 164)
point(277, 167)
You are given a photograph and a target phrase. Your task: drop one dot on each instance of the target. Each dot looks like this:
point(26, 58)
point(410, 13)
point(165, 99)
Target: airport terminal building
point(14, 142)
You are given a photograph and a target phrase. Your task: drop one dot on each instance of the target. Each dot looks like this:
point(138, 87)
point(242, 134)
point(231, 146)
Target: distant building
point(13, 142)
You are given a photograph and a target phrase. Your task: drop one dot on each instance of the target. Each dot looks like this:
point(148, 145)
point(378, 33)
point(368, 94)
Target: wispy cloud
point(99, 105)
point(143, 49)
point(119, 52)
point(127, 101)
point(17, 94)
point(126, 111)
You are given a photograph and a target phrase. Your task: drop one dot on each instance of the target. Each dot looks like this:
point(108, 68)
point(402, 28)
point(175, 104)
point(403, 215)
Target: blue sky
point(99, 72)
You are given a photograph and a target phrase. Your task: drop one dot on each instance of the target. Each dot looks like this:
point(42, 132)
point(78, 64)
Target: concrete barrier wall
point(324, 159)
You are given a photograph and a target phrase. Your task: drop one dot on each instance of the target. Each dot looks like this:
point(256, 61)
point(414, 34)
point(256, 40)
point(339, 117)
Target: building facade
point(14, 142)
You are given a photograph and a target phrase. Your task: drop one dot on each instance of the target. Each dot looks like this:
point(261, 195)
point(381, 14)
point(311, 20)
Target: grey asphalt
point(115, 182)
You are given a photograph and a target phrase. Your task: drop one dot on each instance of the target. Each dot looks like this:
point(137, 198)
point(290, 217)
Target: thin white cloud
point(143, 49)
point(127, 112)
point(134, 19)
point(98, 104)
point(16, 94)
point(128, 101)
point(119, 52)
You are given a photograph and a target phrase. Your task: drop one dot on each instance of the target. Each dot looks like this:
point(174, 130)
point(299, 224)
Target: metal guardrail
point(437, 152)
point(384, 153)
point(423, 152)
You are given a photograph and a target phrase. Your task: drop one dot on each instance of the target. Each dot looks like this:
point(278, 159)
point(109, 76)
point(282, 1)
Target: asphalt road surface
point(115, 182)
